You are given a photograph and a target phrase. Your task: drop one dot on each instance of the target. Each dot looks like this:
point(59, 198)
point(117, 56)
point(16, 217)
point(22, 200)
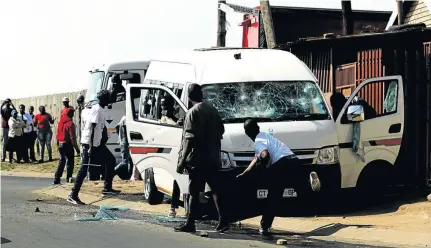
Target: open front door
point(154, 134)
point(378, 133)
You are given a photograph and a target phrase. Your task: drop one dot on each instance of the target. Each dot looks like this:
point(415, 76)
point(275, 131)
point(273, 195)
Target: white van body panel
point(219, 66)
point(378, 144)
point(296, 135)
point(115, 111)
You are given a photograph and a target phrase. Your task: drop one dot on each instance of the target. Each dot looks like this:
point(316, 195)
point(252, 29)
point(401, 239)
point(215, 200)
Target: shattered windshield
point(95, 82)
point(266, 101)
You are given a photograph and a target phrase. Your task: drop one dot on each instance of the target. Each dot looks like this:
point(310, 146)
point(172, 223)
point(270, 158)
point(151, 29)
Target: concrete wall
point(53, 104)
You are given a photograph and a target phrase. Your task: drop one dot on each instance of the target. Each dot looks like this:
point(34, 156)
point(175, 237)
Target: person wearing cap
point(6, 113)
point(43, 121)
point(199, 156)
point(28, 132)
point(33, 139)
point(66, 141)
point(15, 134)
point(273, 158)
point(66, 105)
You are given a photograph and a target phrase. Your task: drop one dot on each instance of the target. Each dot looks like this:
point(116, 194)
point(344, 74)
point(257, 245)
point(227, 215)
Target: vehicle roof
point(121, 66)
point(219, 65)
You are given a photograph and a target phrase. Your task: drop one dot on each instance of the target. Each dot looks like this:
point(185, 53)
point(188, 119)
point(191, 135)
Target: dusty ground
point(405, 214)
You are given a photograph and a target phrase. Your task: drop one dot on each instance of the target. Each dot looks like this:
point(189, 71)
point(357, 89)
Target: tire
point(151, 194)
point(374, 181)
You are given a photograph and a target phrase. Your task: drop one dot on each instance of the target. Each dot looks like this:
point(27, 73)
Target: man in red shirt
point(66, 141)
point(43, 121)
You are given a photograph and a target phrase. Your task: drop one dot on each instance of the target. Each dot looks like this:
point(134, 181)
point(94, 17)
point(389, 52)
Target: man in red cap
point(66, 141)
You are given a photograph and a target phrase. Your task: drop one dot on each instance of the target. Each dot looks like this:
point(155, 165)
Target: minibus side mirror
point(355, 113)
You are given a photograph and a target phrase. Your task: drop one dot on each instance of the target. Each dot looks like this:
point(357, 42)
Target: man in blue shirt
point(274, 156)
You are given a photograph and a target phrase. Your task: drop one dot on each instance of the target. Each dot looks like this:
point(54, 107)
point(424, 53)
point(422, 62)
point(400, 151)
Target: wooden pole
point(268, 24)
point(400, 8)
point(347, 17)
point(221, 30)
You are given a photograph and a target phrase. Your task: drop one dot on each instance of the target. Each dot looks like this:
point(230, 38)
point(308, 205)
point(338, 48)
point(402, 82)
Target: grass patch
point(45, 167)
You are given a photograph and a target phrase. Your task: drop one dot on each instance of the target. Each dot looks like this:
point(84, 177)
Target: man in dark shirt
point(6, 113)
point(199, 156)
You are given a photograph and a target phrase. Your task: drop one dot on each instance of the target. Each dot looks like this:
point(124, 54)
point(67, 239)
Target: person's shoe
point(185, 228)
point(75, 200)
point(56, 182)
point(40, 161)
point(315, 182)
point(50, 160)
point(3, 160)
point(172, 213)
point(222, 227)
point(111, 192)
point(265, 231)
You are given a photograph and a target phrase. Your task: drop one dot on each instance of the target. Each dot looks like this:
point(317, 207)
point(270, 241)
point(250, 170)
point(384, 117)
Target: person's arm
point(188, 139)
point(72, 135)
point(51, 120)
point(263, 155)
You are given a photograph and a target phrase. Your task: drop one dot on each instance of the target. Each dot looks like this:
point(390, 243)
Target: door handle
point(395, 128)
point(135, 136)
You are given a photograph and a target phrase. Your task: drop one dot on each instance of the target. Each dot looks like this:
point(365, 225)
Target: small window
point(156, 106)
point(377, 98)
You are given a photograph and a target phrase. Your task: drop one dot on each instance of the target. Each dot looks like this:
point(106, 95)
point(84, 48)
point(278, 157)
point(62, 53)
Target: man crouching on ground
point(271, 154)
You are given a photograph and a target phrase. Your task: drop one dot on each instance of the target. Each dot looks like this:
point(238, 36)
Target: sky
point(48, 46)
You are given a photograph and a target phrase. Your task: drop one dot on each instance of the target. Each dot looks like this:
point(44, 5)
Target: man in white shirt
point(92, 147)
point(277, 159)
point(28, 132)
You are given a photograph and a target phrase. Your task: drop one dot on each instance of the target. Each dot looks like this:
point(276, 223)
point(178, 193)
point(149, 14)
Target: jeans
point(96, 157)
point(66, 156)
point(124, 168)
point(4, 139)
point(45, 139)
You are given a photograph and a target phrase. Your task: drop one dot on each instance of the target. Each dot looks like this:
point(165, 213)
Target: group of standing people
point(21, 130)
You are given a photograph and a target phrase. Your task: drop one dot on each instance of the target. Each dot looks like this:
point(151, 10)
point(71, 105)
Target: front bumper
point(329, 175)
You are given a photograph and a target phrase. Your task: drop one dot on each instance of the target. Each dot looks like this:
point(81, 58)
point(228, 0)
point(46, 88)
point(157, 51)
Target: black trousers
point(66, 157)
point(197, 181)
point(31, 143)
point(97, 157)
point(26, 146)
point(175, 202)
point(285, 169)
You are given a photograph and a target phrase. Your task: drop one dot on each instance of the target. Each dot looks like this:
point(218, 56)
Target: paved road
point(54, 226)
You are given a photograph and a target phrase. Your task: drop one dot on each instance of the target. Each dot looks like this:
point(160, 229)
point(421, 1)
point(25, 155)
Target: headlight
point(225, 161)
point(328, 155)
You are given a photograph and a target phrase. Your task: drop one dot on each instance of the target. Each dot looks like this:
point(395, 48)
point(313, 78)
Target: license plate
point(288, 193)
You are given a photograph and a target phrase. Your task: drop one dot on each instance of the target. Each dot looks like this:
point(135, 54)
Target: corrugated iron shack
point(342, 63)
